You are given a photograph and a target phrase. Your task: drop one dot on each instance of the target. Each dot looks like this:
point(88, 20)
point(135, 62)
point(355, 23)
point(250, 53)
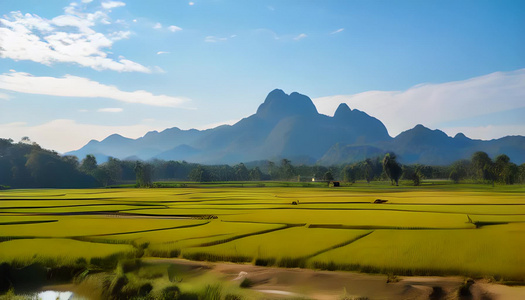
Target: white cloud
point(120, 35)
point(174, 28)
point(112, 4)
point(65, 135)
point(214, 39)
point(87, 1)
point(435, 104)
point(337, 31)
point(157, 26)
point(68, 38)
point(73, 86)
point(191, 3)
point(162, 52)
point(111, 109)
point(300, 37)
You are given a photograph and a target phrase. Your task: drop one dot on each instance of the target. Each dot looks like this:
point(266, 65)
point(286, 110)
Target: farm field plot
point(430, 230)
point(58, 251)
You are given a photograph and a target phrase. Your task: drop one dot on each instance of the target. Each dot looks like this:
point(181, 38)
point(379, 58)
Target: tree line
point(26, 164)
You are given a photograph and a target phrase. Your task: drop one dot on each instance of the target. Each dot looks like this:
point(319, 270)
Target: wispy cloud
point(191, 3)
point(73, 86)
point(119, 35)
point(162, 52)
point(157, 26)
point(111, 110)
point(112, 4)
point(300, 36)
point(435, 105)
point(4, 96)
point(337, 31)
point(174, 28)
point(67, 38)
point(214, 39)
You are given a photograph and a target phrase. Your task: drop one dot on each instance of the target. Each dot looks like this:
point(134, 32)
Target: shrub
point(391, 278)
point(246, 283)
point(117, 284)
point(265, 261)
point(212, 292)
point(106, 263)
point(437, 293)
point(288, 262)
point(170, 292)
point(464, 289)
point(188, 296)
point(144, 289)
point(130, 265)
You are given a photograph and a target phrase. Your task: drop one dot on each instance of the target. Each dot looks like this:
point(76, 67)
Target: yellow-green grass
point(69, 209)
point(162, 243)
point(465, 237)
point(57, 251)
point(364, 218)
point(210, 228)
point(74, 226)
point(295, 242)
point(495, 250)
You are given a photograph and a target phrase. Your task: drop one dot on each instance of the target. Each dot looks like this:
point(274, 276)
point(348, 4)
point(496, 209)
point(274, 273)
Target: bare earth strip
point(278, 283)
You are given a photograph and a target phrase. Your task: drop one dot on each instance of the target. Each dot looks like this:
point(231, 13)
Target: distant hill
point(289, 126)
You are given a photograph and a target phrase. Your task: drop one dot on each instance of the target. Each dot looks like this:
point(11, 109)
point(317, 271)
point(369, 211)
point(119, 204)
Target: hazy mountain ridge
point(289, 126)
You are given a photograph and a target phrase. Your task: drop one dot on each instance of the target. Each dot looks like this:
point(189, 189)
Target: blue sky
point(71, 71)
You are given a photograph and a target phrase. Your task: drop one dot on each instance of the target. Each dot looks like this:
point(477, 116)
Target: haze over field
point(73, 71)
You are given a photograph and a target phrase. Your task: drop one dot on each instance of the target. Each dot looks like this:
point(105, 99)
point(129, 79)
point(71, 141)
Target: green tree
point(350, 173)
point(462, 168)
point(114, 170)
point(482, 166)
point(368, 170)
point(413, 173)
point(241, 172)
point(143, 173)
point(521, 173)
point(256, 174)
point(504, 170)
point(287, 170)
point(271, 169)
point(199, 174)
point(88, 164)
point(454, 176)
point(328, 176)
point(392, 168)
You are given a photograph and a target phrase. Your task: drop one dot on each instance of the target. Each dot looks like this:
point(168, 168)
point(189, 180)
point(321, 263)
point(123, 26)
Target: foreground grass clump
point(56, 252)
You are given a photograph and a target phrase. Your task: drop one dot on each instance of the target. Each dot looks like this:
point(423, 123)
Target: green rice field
point(469, 230)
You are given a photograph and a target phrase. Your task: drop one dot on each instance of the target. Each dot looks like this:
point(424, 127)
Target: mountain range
point(289, 126)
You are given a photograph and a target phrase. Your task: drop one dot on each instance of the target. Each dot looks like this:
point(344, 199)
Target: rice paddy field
point(467, 230)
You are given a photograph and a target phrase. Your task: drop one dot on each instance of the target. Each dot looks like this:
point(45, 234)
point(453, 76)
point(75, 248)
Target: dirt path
point(279, 283)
